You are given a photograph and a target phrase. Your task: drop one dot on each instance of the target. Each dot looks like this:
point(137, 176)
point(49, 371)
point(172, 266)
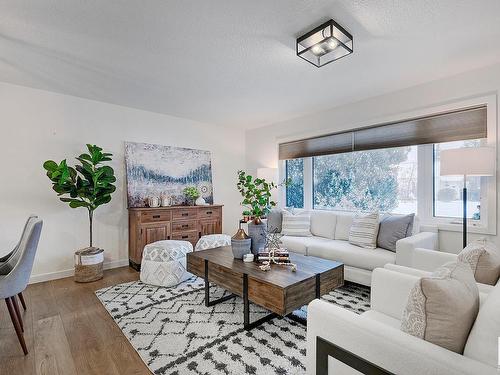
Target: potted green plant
point(88, 185)
point(256, 193)
point(191, 194)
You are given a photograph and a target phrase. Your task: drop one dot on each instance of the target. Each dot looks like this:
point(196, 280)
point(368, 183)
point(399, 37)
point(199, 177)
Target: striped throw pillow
point(298, 225)
point(364, 230)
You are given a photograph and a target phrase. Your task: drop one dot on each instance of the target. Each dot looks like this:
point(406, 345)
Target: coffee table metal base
point(209, 303)
point(246, 303)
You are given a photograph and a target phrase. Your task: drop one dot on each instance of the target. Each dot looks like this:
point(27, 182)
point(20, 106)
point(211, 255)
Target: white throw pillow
point(364, 230)
point(298, 225)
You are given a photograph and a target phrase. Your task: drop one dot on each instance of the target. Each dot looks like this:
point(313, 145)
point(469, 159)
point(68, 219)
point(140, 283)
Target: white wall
point(39, 125)
point(262, 142)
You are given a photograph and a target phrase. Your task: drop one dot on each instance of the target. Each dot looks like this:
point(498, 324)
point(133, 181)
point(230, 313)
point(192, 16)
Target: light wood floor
point(68, 331)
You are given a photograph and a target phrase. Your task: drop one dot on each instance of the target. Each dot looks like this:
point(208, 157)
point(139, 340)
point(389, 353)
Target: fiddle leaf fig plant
point(256, 193)
point(87, 185)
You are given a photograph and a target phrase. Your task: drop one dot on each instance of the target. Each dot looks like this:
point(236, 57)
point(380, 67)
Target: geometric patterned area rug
point(175, 333)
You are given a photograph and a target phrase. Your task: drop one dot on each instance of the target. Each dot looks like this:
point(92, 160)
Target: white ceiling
point(233, 62)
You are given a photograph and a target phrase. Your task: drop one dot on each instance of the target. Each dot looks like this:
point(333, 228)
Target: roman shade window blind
point(467, 123)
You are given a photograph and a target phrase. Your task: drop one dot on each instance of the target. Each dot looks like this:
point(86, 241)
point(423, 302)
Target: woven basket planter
point(89, 264)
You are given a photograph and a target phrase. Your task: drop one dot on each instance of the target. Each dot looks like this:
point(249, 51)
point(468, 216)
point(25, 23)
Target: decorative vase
point(257, 233)
point(240, 244)
point(166, 200)
point(154, 202)
point(200, 202)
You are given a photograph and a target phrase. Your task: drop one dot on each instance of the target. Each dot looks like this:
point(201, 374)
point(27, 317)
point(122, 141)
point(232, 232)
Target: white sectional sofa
point(329, 240)
point(375, 336)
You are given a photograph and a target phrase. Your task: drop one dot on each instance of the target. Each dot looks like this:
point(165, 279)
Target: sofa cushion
point(484, 260)
point(343, 225)
point(392, 229)
point(300, 244)
point(483, 338)
point(364, 230)
point(352, 255)
point(323, 223)
point(296, 224)
point(442, 308)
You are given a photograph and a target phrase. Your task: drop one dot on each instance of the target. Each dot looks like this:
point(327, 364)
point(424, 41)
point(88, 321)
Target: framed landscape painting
point(155, 170)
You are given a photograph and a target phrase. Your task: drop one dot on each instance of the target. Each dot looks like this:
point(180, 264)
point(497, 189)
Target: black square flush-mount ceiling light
point(326, 43)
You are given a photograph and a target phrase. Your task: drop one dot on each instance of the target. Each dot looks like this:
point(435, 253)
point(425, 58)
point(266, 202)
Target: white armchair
point(421, 262)
point(373, 343)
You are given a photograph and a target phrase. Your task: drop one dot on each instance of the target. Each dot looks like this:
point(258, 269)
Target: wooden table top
point(283, 276)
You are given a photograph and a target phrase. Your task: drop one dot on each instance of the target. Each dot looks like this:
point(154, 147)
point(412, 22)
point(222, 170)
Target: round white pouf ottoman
point(164, 263)
point(211, 241)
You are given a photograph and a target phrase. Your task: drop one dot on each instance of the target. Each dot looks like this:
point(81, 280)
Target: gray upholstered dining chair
point(7, 261)
point(15, 282)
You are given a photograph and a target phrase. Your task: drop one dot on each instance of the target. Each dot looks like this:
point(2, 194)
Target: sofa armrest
point(429, 260)
point(390, 290)
point(381, 345)
point(406, 246)
point(407, 270)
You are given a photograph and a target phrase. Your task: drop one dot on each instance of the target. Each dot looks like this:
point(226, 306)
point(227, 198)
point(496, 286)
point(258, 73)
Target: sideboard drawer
point(192, 236)
point(205, 213)
point(184, 214)
point(184, 226)
point(155, 215)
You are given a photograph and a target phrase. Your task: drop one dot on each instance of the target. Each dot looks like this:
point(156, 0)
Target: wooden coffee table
point(279, 290)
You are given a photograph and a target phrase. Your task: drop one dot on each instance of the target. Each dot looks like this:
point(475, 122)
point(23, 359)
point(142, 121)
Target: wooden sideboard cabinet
point(186, 223)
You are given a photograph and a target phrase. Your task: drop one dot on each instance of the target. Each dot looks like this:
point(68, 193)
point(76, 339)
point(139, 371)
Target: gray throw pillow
point(392, 229)
point(274, 221)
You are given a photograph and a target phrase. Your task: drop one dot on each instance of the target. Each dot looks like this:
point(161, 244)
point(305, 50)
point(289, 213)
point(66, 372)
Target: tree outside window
point(295, 189)
point(376, 180)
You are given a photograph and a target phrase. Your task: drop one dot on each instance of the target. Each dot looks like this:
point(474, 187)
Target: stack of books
point(281, 256)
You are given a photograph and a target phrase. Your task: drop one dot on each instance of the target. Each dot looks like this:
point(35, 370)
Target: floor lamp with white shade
point(468, 161)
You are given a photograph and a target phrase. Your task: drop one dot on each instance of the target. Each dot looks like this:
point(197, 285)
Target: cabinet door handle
point(185, 225)
point(209, 212)
point(156, 216)
point(185, 214)
point(185, 236)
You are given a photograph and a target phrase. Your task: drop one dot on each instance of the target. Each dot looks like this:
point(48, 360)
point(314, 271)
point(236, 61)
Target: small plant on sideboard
point(191, 194)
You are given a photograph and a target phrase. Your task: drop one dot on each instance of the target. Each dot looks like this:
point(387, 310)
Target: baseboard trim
point(40, 278)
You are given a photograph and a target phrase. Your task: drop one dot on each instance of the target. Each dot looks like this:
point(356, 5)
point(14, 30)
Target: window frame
point(483, 200)
point(425, 176)
point(426, 198)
